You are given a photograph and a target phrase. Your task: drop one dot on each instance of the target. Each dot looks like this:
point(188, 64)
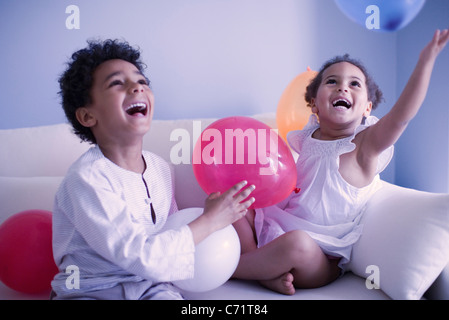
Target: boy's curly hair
point(76, 82)
point(375, 95)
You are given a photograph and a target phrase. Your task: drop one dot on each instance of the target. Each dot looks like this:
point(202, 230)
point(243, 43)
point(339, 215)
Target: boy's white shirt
point(102, 224)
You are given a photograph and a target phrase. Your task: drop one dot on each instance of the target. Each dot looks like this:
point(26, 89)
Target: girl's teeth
point(342, 103)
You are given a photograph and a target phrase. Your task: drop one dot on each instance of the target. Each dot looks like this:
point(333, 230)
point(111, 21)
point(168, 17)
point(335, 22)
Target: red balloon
point(234, 149)
point(26, 255)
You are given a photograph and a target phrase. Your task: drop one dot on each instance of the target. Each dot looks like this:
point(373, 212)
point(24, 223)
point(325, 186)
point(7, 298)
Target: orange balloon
point(293, 112)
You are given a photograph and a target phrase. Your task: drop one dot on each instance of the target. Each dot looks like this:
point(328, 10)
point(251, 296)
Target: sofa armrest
point(440, 288)
point(405, 241)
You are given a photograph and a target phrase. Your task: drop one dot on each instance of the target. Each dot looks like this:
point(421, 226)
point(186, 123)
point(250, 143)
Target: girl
point(306, 240)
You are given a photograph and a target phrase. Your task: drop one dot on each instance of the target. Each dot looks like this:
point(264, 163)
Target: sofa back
point(33, 161)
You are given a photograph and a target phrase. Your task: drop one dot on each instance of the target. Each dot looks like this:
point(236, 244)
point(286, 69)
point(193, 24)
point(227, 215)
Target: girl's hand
point(433, 49)
point(222, 210)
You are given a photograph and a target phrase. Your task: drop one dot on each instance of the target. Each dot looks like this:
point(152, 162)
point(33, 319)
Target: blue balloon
point(381, 15)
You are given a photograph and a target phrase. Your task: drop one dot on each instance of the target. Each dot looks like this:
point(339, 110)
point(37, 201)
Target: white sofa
point(404, 247)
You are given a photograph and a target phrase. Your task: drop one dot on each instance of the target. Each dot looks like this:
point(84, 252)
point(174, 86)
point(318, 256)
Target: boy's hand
point(433, 49)
point(230, 206)
point(222, 210)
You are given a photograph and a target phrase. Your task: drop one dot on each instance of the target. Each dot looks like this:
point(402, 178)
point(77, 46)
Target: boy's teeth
point(135, 105)
point(135, 108)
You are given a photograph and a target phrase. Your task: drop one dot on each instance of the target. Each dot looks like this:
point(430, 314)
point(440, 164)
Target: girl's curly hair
point(375, 95)
point(76, 82)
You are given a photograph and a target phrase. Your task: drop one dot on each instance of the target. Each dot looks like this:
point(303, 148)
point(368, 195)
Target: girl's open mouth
point(342, 103)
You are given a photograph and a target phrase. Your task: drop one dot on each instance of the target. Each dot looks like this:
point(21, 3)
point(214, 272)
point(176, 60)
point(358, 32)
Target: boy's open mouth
point(136, 109)
point(342, 103)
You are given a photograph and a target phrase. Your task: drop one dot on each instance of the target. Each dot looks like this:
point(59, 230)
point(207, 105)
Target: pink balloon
point(234, 149)
point(26, 255)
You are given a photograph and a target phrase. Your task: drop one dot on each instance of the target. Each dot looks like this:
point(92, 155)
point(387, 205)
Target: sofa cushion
point(405, 238)
point(348, 287)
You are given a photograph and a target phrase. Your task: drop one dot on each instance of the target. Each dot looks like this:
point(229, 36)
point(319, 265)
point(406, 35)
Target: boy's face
point(122, 104)
point(342, 96)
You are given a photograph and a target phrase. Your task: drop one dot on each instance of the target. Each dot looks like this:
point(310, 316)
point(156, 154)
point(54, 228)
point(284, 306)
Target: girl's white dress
point(327, 207)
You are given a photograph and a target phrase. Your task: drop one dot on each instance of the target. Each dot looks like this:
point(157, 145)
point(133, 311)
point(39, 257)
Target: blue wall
point(215, 58)
point(206, 58)
point(422, 153)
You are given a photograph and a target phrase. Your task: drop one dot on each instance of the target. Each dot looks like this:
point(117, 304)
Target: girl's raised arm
point(388, 130)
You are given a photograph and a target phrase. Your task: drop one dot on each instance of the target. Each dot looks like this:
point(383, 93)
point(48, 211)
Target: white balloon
point(216, 257)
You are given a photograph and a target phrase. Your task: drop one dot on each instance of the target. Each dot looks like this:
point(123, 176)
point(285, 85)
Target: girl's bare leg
point(292, 260)
point(282, 284)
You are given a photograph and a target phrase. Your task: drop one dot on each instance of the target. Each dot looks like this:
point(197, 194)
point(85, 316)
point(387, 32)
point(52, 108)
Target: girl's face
point(342, 97)
point(122, 103)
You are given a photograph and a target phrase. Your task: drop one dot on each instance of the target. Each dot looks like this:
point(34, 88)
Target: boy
point(116, 197)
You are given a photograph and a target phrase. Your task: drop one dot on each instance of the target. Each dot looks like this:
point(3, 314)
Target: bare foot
point(282, 284)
